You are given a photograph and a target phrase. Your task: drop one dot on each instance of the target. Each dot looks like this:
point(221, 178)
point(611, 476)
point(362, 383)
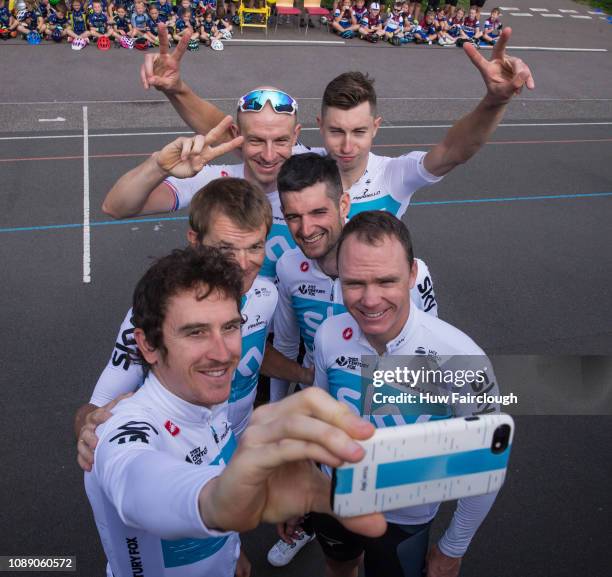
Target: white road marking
point(552, 15)
point(521, 14)
point(86, 231)
point(313, 128)
point(583, 17)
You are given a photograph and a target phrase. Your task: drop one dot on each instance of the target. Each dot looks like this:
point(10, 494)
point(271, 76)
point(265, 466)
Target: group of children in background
point(132, 23)
point(443, 25)
point(129, 23)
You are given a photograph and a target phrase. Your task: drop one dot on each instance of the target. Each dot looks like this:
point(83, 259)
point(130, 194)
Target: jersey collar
point(401, 339)
point(178, 408)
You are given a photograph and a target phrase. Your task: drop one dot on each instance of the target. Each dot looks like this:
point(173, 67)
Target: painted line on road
point(568, 11)
point(391, 145)
point(552, 15)
point(86, 226)
point(539, 9)
point(582, 17)
point(235, 98)
point(521, 14)
point(423, 203)
point(553, 49)
point(264, 41)
point(306, 129)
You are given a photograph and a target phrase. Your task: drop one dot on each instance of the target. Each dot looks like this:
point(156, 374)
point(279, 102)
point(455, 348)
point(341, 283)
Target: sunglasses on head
point(280, 101)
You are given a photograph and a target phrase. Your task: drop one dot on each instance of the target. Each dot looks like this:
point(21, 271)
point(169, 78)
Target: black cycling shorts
point(400, 552)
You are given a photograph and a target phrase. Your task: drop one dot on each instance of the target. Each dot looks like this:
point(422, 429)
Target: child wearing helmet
point(370, 26)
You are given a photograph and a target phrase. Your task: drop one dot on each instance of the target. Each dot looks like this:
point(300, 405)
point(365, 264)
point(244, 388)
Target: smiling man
point(166, 499)
point(377, 271)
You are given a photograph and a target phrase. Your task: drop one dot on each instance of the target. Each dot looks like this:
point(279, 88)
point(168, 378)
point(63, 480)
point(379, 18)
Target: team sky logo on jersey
point(125, 350)
point(196, 456)
point(427, 295)
point(310, 290)
point(262, 292)
point(173, 429)
point(304, 266)
point(347, 334)
point(350, 363)
point(134, 431)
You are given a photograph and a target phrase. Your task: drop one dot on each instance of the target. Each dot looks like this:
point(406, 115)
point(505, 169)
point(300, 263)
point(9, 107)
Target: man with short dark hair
point(377, 272)
point(315, 208)
point(349, 123)
point(166, 498)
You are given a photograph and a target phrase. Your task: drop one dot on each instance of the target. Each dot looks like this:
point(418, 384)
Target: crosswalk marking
point(568, 11)
point(552, 15)
point(539, 9)
point(582, 17)
point(521, 14)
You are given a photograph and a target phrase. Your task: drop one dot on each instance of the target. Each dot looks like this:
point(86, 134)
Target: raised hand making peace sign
point(504, 75)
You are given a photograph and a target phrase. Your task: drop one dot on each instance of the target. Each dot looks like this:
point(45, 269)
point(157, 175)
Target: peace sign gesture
point(185, 157)
point(504, 75)
point(163, 70)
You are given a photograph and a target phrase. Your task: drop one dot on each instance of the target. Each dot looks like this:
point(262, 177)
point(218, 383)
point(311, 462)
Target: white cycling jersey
point(122, 375)
point(388, 183)
point(307, 296)
point(339, 357)
point(279, 239)
point(153, 457)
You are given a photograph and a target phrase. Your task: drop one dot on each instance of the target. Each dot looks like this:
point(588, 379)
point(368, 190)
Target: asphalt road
point(520, 254)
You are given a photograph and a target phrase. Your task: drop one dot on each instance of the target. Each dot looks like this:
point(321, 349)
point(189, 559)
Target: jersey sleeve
point(406, 174)
point(320, 378)
point(286, 330)
point(150, 489)
point(471, 511)
point(121, 375)
point(422, 294)
point(469, 515)
point(184, 189)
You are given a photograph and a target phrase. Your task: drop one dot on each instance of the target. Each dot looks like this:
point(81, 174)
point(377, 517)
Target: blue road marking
point(425, 203)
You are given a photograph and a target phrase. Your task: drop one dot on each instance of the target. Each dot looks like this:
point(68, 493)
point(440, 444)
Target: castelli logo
point(347, 333)
point(224, 173)
point(172, 428)
point(304, 266)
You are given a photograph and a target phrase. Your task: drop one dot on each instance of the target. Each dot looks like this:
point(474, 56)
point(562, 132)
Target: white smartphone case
point(424, 463)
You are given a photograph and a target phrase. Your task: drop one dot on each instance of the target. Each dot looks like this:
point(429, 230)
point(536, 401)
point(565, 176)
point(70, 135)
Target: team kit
point(297, 267)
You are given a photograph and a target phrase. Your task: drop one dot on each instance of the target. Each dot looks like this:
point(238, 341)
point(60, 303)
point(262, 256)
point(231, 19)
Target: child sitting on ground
point(371, 26)
point(492, 27)
point(344, 23)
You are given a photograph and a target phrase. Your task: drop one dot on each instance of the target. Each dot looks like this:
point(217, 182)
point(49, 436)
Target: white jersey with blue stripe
point(339, 357)
point(153, 457)
point(388, 183)
point(307, 296)
point(122, 375)
point(279, 240)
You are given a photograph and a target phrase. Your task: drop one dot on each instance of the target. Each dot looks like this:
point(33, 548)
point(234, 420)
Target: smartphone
point(424, 463)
